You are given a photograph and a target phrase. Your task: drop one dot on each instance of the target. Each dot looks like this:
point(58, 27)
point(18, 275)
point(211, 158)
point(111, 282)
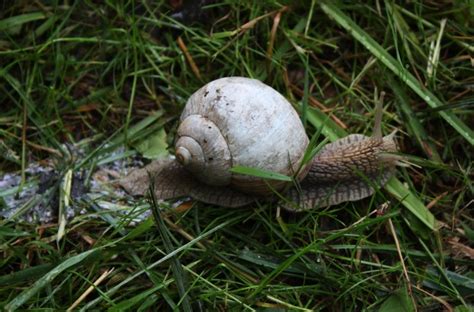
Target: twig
point(90, 289)
point(444, 303)
point(405, 271)
point(276, 22)
point(189, 58)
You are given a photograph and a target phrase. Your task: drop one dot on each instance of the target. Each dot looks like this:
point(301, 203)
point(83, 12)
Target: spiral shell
point(238, 121)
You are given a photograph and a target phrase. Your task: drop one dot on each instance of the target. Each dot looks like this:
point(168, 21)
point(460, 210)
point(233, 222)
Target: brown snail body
point(238, 121)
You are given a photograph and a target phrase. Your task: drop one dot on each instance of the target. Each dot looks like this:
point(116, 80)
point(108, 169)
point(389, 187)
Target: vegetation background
point(90, 88)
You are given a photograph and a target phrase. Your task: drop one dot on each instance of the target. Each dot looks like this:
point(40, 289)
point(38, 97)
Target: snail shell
point(238, 121)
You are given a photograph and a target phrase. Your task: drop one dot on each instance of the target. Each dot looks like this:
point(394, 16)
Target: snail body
point(238, 121)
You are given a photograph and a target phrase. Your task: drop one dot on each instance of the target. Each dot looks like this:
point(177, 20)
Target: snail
point(236, 121)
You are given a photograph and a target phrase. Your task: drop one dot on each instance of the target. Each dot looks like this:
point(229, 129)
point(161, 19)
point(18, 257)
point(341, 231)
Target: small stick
point(276, 22)
point(405, 271)
point(436, 200)
point(90, 289)
point(443, 302)
point(31, 144)
point(189, 58)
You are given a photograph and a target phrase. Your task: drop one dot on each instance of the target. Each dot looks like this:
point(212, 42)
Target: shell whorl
point(203, 150)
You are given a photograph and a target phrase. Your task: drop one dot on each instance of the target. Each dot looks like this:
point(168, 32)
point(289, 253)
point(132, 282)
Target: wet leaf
point(398, 302)
point(154, 146)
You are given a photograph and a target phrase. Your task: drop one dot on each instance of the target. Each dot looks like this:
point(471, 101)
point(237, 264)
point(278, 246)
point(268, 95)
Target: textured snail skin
point(319, 189)
point(348, 169)
point(169, 179)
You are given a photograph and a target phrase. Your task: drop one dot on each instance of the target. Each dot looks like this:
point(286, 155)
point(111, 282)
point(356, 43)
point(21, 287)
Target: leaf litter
point(37, 200)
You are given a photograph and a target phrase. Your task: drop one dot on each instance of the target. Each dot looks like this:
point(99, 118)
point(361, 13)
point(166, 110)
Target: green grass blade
point(410, 201)
point(398, 301)
point(28, 275)
point(264, 174)
point(128, 304)
point(46, 279)
point(137, 128)
point(15, 21)
point(417, 129)
point(176, 268)
point(167, 257)
point(329, 128)
point(391, 63)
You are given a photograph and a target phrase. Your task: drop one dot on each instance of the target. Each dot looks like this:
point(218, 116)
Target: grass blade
point(264, 174)
point(176, 268)
point(417, 129)
point(399, 301)
point(389, 61)
point(410, 201)
point(28, 275)
point(16, 21)
point(46, 279)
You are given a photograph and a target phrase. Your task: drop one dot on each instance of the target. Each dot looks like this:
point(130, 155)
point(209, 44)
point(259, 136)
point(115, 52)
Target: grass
point(88, 89)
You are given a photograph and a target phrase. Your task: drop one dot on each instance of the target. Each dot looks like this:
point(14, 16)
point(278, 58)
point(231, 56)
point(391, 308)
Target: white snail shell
point(238, 121)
